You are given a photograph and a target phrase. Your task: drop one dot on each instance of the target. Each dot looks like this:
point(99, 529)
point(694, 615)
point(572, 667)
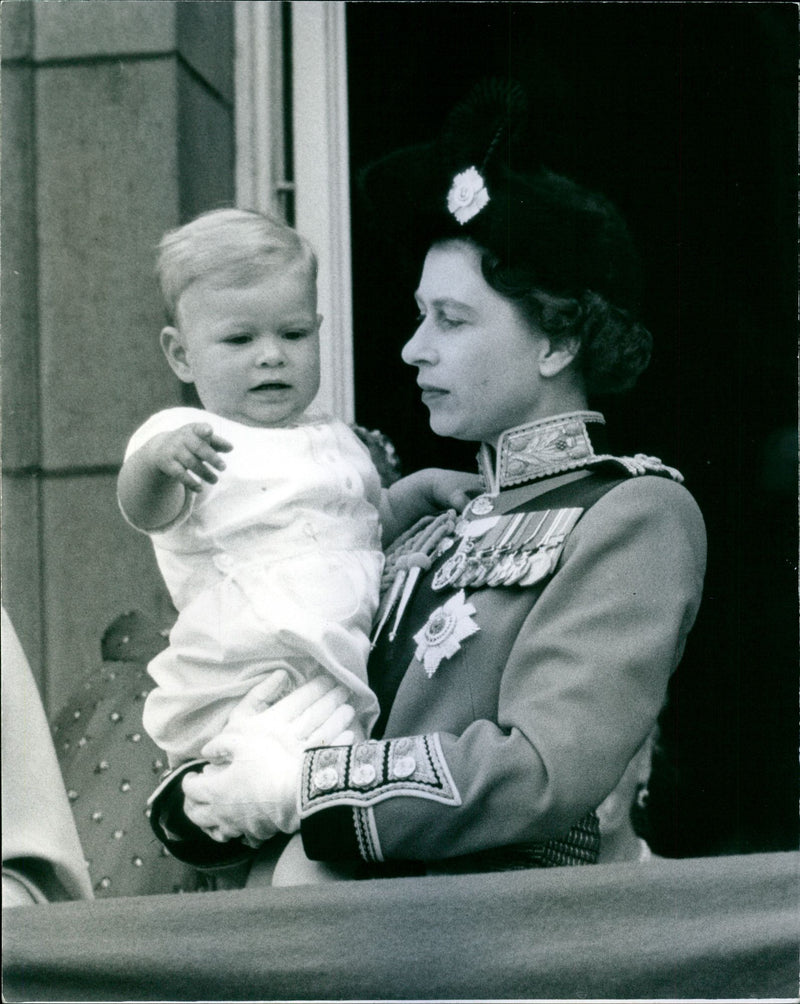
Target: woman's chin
point(444, 422)
point(441, 426)
point(450, 430)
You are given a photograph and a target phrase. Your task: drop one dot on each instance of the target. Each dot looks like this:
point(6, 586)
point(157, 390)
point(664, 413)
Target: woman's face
point(478, 357)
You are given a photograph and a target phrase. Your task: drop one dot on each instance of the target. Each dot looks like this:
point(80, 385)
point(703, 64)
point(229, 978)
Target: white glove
point(251, 787)
point(266, 693)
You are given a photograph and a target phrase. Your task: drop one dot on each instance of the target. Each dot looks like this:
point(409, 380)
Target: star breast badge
point(444, 631)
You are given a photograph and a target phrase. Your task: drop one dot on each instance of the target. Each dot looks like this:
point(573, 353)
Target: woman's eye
point(420, 319)
point(449, 322)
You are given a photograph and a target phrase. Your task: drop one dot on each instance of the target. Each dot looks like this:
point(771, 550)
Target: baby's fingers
point(462, 489)
point(191, 469)
point(207, 435)
point(187, 469)
point(218, 443)
point(204, 444)
point(460, 499)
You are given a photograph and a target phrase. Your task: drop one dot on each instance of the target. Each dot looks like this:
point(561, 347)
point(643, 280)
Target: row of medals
point(519, 549)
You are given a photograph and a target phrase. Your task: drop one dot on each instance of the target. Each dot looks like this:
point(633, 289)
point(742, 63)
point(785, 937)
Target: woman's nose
point(418, 348)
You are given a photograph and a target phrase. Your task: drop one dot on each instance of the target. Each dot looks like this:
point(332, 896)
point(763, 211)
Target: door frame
point(318, 177)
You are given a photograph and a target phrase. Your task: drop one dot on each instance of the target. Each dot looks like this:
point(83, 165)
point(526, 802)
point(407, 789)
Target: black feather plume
point(487, 126)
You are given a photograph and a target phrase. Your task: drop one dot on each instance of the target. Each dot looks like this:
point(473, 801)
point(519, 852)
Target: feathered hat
point(484, 179)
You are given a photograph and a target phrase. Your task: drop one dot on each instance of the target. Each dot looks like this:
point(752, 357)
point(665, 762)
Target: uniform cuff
point(341, 785)
point(369, 772)
point(330, 835)
point(184, 840)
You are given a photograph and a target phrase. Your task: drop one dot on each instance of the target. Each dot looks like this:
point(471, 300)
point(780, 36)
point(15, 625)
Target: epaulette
point(639, 464)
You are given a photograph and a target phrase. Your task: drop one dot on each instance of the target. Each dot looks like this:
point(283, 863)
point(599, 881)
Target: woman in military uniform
point(523, 647)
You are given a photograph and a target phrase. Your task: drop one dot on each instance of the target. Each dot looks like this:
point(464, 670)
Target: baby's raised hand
point(190, 454)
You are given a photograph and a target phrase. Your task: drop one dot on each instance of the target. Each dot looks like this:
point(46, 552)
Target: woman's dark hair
point(614, 346)
point(560, 250)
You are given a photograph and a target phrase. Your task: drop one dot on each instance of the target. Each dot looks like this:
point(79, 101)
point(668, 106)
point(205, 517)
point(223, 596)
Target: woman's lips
point(432, 393)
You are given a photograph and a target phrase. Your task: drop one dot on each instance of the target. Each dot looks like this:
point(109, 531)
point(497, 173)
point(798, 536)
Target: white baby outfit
point(277, 565)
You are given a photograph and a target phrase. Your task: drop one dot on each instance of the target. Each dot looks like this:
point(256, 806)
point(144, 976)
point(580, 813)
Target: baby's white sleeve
point(164, 421)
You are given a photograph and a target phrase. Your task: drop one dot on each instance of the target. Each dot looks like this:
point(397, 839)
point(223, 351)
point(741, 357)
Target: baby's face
point(252, 351)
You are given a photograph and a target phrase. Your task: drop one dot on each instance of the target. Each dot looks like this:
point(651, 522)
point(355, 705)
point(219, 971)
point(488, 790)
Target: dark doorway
point(685, 115)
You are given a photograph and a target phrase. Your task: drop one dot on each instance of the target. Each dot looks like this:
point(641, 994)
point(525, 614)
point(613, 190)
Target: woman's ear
point(556, 356)
point(175, 351)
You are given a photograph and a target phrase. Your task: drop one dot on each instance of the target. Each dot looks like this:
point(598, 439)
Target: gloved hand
point(251, 787)
point(269, 691)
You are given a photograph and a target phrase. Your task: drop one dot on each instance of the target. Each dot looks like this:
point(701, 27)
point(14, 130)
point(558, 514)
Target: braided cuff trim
point(369, 845)
point(369, 772)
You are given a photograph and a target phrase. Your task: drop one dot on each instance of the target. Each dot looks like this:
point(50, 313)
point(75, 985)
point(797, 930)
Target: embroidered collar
point(539, 450)
point(557, 445)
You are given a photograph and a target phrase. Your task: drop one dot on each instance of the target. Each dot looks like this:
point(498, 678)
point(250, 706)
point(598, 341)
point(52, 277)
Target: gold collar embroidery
point(548, 447)
point(539, 450)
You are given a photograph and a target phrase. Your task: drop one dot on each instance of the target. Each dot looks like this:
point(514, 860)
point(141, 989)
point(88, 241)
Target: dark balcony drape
point(722, 927)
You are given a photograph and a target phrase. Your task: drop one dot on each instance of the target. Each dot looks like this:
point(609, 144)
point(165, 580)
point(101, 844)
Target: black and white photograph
point(399, 500)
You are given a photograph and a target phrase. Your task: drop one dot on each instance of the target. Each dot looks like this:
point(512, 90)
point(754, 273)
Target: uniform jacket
point(547, 692)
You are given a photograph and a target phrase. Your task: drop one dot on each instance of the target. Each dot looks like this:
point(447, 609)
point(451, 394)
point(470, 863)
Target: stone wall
point(117, 124)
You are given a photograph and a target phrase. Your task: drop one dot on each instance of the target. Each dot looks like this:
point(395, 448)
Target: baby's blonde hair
point(235, 246)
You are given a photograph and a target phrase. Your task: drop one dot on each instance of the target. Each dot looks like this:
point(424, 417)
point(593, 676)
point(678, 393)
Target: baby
point(272, 554)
